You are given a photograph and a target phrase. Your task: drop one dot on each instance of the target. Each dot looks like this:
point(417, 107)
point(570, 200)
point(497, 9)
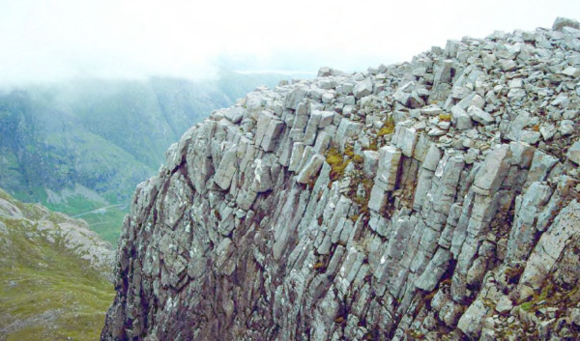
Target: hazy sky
point(53, 39)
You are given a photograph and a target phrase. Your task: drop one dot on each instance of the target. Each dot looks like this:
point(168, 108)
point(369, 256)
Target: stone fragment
point(571, 72)
point(566, 127)
point(516, 127)
point(522, 154)
point(560, 23)
point(324, 71)
point(436, 132)
point(541, 165)
point(460, 118)
point(443, 72)
point(370, 163)
point(530, 137)
point(547, 130)
point(523, 232)
point(507, 65)
point(348, 129)
point(574, 153)
point(235, 114)
point(480, 116)
point(326, 118)
point(363, 88)
point(431, 110)
point(504, 304)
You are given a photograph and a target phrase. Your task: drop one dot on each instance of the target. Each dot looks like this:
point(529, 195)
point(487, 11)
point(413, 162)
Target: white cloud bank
point(43, 40)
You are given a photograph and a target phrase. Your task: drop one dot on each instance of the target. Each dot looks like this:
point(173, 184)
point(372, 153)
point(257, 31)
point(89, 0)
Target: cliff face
point(437, 198)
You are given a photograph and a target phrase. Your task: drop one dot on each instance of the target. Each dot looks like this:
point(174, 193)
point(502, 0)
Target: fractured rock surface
point(433, 199)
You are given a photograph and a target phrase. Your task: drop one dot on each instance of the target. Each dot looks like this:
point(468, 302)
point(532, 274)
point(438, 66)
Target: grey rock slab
point(551, 244)
point(432, 158)
point(434, 132)
point(296, 158)
point(504, 304)
point(530, 137)
point(348, 129)
point(516, 127)
point(471, 321)
point(324, 71)
point(262, 177)
point(434, 271)
point(262, 125)
point(312, 128)
point(521, 154)
point(389, 160)
point(235, 114)
point(542, 164)
point(273, 131)
point(378, 198)
point(523, 232)
point(311, 169)
point(566, 127)
point(296, 97)
point(227, 168)
point(405, 139)
point(493, 171)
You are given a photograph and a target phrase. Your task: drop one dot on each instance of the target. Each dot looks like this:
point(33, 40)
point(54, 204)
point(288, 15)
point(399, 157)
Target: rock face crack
point(433, 199)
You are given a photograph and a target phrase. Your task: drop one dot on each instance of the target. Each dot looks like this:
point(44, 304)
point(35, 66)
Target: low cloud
point(46, 40)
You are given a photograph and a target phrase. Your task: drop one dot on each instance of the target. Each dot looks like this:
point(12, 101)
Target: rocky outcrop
point(433, 199)
point(59, 230)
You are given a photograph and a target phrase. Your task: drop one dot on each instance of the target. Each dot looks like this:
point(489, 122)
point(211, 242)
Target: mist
point(52, 40)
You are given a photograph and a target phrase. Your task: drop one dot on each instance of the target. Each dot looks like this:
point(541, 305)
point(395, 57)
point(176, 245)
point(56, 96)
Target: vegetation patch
point(388, 128)
point(338, 162)
point(445, 117)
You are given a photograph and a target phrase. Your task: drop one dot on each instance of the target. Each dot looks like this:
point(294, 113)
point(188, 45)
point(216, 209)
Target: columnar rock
point(432, 199)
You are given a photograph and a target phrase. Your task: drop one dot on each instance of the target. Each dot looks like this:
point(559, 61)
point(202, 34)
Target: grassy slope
point(45, 292)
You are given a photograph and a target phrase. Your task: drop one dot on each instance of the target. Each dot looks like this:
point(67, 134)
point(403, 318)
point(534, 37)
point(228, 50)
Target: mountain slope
point(54, 275)
point(435, 199)
point(82, 145)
